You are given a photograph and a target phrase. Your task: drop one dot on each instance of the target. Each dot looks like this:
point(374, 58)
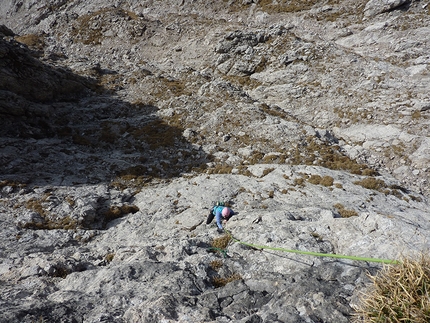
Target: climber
point(221, 213)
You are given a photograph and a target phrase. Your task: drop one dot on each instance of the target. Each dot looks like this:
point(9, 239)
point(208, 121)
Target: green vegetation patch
point(299, 181)
point(282, 6)
point(416, 198)
point(221, 242)
point(89, 28)
point(222, 281)
point(416, 114)
point(109, 257)
point(398, 293)
point(33, 41)
point(116, 211)
point(379, 185)
point(337, 10)
point(277, 112)
point(242, 81)
point(220, 169)
point(372, 183)
point(315, 152)
point(345, 213)
point(216, 264)
point(352, 114)
point(132, 178)
point(60, 271)
point(318, 180)
point(157, 133)
point(48, 221)
point(12, 184)
point(166, 88)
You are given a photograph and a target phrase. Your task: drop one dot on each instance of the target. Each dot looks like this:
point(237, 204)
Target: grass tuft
point(416, 114)
point(221, 242)
point(371, 183)
point(216, 264)
point(116, 212)
point(318, 180)
point(398, 293)
point(32, 40)
point(345, 213)
point(222, 281)
point(109, 257)
point(220, 169)
point(286, 6)
point(299, 181)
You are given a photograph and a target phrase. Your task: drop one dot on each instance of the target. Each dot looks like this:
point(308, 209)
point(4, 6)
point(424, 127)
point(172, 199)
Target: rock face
point(122, 123)
point(374, 7)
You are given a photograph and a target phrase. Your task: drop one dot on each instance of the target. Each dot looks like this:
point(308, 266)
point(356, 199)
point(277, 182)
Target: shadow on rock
point(60, 128)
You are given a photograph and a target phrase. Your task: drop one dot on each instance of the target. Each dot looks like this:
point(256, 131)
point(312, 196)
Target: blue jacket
point(218, 215)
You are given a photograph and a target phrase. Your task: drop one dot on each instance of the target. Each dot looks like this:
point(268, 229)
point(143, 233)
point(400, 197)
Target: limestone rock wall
point(122, 122)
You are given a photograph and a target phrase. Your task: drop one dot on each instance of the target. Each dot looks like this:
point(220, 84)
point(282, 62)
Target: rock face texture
point(123, 122)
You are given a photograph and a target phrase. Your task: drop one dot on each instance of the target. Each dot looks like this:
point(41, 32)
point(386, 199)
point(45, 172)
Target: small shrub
point(315, 179)
point(32, 41)
point(371, 183)
point(339, 206)
point(327, 181)
point(286, 6)
point(313, 151)
point(127, 208)
point(396, 193)
point(267, 171)
point(317, 236)
point(126, 180)
point(416, 114)
point(109, 257)
point(216, 264)
point(416, 198)
point(344, 213)
point(70, 200)
point(270, 159)
point(299, 181)
point(318, 180)
point(12, 184)
point(89, 28)
point(368, 172)
point(243, 170)
point(157, 133)
point(221, 242)
point(222, 281)
point(66, 223)
point(116, 212)
point(220, 169)
point(60, 271)
point(36, 206)
point(398, 293)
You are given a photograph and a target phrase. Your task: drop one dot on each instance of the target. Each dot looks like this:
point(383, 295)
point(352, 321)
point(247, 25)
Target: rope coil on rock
point(310, 253)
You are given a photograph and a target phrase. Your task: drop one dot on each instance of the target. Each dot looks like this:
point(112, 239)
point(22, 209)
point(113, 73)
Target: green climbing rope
point(310, 253)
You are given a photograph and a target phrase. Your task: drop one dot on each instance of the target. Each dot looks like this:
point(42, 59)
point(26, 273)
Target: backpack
point(217, 204)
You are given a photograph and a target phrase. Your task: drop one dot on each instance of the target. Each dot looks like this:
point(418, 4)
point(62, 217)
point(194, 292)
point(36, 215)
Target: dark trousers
point(210, 218)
